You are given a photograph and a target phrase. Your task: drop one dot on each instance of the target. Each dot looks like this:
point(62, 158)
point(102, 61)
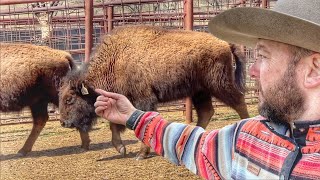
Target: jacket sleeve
point(205, 153)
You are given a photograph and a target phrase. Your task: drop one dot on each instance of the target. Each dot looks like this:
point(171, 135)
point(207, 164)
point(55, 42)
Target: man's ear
point(312, 77)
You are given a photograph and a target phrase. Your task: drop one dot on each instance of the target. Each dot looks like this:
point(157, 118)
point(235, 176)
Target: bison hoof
point(141, 156)
point(22, 153)
point(85, 147)
point(122, 151)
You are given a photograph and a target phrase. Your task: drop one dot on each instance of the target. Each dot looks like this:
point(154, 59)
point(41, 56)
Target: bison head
point(76, 102)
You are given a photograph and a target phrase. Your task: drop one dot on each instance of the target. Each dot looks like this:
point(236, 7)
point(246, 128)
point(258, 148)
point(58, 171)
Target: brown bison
point(30, 76)
point(151, 65)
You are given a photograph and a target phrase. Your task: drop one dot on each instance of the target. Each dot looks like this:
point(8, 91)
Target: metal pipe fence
point(76, 26)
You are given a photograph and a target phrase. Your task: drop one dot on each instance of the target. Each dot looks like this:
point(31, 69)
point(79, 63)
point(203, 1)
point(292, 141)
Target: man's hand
point(114, 107)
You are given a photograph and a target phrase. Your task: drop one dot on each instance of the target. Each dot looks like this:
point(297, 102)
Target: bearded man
point(282, 143)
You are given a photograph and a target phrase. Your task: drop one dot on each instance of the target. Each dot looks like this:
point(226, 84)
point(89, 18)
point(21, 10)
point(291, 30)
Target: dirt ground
point(57, 153)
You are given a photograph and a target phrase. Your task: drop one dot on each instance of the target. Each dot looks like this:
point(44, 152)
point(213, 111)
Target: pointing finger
point(108, 94)
point(100, 103)
point(102, 98)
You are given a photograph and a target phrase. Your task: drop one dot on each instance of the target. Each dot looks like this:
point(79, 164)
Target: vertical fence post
point(243, 3)
point(110, 18)
point(88, 28)
point(102, 27)
point(105, 20)
point(188, 25)
point(188, 14)
point(264, 3)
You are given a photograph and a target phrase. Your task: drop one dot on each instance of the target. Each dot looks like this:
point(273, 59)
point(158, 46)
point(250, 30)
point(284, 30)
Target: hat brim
point(247, 25)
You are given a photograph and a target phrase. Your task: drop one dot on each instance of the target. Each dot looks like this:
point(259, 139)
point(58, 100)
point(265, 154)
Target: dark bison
point(151, 65)
point(30, 76)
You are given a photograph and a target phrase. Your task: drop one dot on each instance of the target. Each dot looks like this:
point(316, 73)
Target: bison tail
point(240, 71)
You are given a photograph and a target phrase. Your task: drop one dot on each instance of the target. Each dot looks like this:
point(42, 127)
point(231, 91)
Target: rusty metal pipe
point(11, 2)
point(117, 17)
point(115, 20)
point(89, 29)
point(96, 5)
point(188, 14)
point(110, 18)
point(114, 2)
point(188, 25)
point(264, 3)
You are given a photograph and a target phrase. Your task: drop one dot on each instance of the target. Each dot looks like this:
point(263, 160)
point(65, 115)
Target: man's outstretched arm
point(207, 154)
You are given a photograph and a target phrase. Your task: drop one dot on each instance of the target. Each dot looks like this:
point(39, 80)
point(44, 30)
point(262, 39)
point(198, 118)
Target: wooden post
point(188, 25)
point(89, 29)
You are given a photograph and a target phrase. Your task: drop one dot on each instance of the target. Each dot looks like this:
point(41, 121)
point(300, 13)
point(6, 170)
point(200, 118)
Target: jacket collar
point(305, 134)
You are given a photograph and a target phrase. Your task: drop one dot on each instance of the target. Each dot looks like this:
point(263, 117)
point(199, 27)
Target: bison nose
point(63, 124)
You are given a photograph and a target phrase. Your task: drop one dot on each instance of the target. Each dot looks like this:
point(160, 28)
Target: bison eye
point(70, 100)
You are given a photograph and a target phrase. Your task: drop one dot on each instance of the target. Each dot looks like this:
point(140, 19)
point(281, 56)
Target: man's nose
point(254, 71)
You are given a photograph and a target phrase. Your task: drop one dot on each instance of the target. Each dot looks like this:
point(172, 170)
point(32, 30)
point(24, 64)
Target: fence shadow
point(64, 150)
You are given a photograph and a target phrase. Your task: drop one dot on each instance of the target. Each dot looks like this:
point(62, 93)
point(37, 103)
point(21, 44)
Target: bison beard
point(151, 65)
point(85, 112)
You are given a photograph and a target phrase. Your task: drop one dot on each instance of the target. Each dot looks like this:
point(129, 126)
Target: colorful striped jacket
point(250, 149)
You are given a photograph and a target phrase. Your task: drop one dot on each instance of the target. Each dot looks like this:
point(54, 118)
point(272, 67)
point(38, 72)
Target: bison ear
point(84, 90)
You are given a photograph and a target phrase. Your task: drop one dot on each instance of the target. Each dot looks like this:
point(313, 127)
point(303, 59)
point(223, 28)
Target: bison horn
point(84, 90)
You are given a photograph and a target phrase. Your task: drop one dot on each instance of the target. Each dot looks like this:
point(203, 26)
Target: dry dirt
point(57, 153)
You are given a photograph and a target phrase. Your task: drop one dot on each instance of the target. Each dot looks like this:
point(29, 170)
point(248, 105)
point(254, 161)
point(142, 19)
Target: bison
point(30, 77)
point(152, 65)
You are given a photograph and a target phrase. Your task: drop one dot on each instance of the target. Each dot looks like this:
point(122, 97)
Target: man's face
point(281, 99)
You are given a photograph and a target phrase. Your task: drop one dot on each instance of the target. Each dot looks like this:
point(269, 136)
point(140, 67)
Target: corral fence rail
point(76, 26)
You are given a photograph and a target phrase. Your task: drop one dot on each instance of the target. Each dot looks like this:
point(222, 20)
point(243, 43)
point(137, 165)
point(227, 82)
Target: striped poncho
point(251, 149)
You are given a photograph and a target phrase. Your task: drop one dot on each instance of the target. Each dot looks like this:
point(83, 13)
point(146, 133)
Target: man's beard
point(284, 102)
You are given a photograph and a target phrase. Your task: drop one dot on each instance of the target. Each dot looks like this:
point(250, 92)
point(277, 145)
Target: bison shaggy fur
point(30, 77)
point(152, 65)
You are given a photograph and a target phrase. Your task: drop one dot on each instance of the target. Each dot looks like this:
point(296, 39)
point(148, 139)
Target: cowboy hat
point(295, 22)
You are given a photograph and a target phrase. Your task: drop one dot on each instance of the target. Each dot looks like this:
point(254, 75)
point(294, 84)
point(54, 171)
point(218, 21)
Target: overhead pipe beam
point(12, 2)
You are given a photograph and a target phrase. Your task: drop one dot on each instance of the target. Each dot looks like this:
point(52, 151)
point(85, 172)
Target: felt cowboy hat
point(295, 22)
